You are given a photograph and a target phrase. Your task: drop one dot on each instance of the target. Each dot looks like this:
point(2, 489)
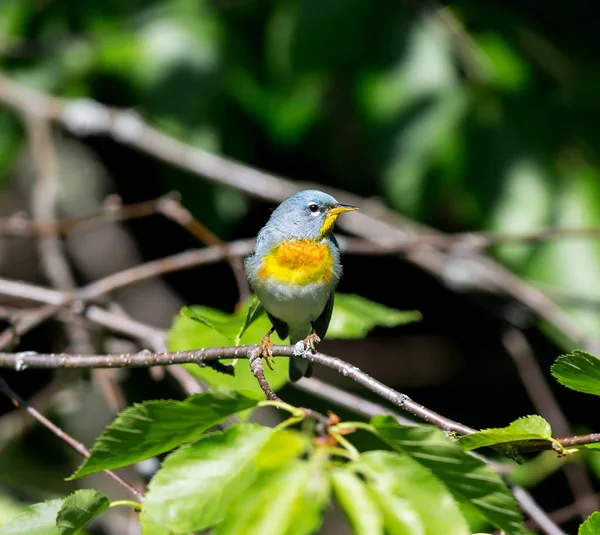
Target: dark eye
point(313, 207)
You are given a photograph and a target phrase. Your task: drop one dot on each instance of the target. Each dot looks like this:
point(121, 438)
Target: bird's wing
point(280, 326)
point(322, 322)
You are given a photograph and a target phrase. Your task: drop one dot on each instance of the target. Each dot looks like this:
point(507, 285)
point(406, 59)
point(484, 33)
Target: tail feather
point(299, 367)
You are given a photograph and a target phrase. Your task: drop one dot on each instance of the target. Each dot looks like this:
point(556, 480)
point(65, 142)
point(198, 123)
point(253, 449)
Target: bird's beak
point(340, 209)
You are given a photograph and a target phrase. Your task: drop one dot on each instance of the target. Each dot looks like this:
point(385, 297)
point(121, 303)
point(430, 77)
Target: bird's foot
point(310, 343)
point(266, 350)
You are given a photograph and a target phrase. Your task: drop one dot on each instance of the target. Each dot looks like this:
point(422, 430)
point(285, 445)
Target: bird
point(294, 271)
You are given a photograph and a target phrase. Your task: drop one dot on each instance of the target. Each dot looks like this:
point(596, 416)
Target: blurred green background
point(466, 116)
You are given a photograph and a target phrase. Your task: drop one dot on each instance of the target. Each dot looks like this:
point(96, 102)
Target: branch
point(18, 401)
point(143, 359)
point(545, 403)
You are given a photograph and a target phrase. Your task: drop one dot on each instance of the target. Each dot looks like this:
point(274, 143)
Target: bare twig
point(174, 210)
point(546, 404)
point(144, 359)
point(65, 437)
point(347, 400)
point(530, 506)
point(258, 370)
point(20, 225)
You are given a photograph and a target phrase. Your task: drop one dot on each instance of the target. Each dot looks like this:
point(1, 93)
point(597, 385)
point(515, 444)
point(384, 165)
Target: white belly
point(297, 306)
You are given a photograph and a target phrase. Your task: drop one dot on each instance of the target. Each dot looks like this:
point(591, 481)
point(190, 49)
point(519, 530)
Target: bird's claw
point(266, 350)
point(310, 343)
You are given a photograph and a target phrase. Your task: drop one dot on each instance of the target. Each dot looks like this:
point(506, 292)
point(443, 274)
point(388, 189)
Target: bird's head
point(308, 214)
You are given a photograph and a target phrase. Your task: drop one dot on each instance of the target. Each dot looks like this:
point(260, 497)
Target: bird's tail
point(299, 366)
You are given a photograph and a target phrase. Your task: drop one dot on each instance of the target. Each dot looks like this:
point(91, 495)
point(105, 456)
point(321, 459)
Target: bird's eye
point(313, 207)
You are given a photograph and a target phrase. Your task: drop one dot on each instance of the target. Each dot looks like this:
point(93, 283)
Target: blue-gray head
point(308, 214)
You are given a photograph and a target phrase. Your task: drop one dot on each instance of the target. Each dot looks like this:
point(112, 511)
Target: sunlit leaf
point(401, 478)
point(357, 503)
point(288, 501)
point(79, 509)
point(354, 316)
point(591, 526)
point(526, 428)
point(197, 483)
point(579, 371)
point(154, 427)
point(467, 477)
point(37, 519)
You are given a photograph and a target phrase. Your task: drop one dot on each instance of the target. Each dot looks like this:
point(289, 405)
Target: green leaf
point(579, 371)
point(467, 477)
point(79, 509)
point(402, 478)
point(154, 427)
point(37, 519)
point(214, 319)
point(354, 316)
point(255, 310)
point(526, 428)
point(288, 501)
point(356, 502)
point(591, 526)
point(196, 484)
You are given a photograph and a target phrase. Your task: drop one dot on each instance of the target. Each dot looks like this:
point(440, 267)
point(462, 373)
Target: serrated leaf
point(401, 477)
point(356, 502)
point(354, 316)
point(37, 519)
point(578, 371)
point(591, 526)
point(79, 509)
point(526, 428)
point(288, 501)
point(154, 427)
point(466, 477)
point(197, 483)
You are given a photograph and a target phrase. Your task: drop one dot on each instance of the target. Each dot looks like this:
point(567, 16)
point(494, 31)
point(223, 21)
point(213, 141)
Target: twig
point(530, 506)
point(174, 210)
point(65, 437)
point(545, 403)
point(144, 359)
point(258, 370)
point(348, 401)
point(114, 210)
point(51, 249)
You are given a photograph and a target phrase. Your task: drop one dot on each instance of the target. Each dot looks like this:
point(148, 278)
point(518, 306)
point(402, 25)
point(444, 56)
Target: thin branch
point(65, 437)
point(174, 210)
point(143, 359)
point(531, 507)
point(545, 403)
point(19, 225)
point(347, 400)
point(258, 370)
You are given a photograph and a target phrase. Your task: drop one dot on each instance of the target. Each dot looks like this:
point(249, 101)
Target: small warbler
point(294, 271)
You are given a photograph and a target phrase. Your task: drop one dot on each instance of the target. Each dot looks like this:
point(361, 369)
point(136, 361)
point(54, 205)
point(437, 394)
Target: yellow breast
point(298, 262)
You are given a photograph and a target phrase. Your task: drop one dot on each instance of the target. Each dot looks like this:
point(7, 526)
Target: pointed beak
point(340, 209)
